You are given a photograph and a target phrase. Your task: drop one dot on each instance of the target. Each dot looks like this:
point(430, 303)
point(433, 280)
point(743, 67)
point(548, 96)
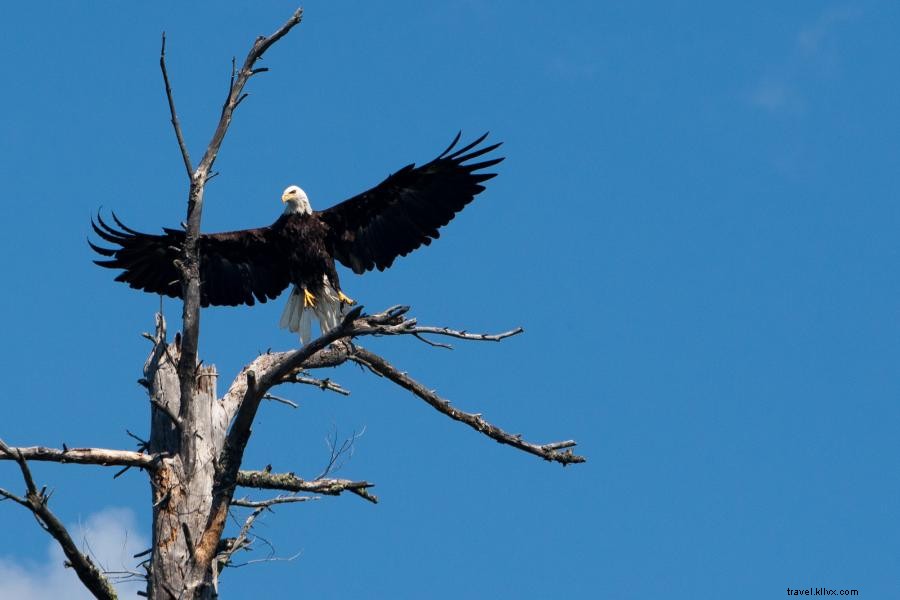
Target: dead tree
point(195, 450)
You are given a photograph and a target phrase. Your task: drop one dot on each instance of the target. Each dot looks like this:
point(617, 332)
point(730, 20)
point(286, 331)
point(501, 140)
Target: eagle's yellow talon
point(309, 301)
point(345, 298)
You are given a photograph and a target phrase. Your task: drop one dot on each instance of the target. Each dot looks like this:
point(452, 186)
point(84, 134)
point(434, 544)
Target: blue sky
point(696, 224)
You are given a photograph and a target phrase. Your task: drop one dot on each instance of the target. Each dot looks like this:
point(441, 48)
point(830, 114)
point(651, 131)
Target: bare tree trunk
point(181, 486)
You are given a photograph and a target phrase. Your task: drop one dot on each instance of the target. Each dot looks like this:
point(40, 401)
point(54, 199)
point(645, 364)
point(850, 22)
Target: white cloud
point(775, 96)
point(814, 53)
point(110, 537)
point(811, 38)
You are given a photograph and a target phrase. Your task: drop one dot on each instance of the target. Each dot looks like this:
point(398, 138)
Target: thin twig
point(142, 443)
point(431, 343)
point(247, 503)
point(322, 384)
point(337, 452)
point(268, 559)
point(174, 116)
point(464, 335)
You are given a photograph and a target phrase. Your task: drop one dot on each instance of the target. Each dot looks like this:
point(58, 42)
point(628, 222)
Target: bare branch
point(289, 482)
point(411, 327)
point(431, 343)
point(241, 540)
point(84, 456)
point(549, 452)
point(267, 559)
point(281, 400)
point(142, 444)
point(322, 384)
point(290, 365)
point(174, 116)
point(332, 356)
point(36, 502)
point(10, 496)
point(336, 453)
point(464, 335)
point(247, 503)
point(242, 76)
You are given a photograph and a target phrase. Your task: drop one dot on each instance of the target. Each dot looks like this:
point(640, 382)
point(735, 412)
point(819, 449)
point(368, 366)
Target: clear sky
point(697, 225)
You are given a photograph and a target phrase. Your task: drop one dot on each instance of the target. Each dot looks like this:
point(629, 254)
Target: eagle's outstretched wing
point(405, 210)
point(236, 267)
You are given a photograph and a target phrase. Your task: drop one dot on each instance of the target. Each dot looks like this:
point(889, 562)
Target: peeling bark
point(181, 487)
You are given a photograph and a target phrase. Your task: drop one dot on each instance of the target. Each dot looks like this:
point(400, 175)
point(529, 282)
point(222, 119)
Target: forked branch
point(236, 95)
point(190, 262)
point(36, 501)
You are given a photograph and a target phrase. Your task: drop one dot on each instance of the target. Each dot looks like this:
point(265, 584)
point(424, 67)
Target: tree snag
point(195, 450)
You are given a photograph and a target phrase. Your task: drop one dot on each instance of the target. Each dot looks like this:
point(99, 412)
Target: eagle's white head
point(295, 201)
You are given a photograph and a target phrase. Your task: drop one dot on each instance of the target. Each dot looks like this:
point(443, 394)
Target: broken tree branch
point(84, 456)
point(36, 501)
point(322, 384)
point(247, 503)
point(241, 540)
point(288, 482)
point(551, 452)
point(281, 400)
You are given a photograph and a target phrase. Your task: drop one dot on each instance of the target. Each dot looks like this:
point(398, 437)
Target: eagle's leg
point(344, 298)
point(309, 301)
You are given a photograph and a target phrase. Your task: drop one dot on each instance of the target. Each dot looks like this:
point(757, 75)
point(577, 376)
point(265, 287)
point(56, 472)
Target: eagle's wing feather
point(236, 267)
point(406, 210)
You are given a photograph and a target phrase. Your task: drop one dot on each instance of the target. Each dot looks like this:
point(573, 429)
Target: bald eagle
point(366, 232)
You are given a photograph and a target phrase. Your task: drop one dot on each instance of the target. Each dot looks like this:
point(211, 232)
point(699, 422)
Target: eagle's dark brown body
point(365, 232)
point(304, 240)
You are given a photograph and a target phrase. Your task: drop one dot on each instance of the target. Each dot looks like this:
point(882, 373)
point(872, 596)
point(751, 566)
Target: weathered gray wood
point(181, 487)
point(188, 422)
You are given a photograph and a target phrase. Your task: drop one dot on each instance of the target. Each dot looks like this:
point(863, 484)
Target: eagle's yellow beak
point(284, 197)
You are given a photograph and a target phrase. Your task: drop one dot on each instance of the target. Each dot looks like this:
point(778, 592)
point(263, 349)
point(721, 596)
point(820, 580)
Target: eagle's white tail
point(296, 317)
